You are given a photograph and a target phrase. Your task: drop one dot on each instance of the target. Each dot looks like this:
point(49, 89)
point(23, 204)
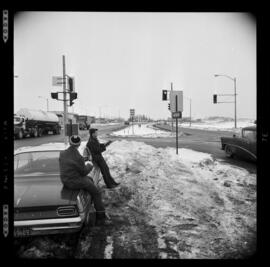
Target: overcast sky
point(123, 60)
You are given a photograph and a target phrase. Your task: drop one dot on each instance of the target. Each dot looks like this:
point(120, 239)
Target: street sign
point(57, 81)
point(179, 95)
point(177, 115)
point(132, 112)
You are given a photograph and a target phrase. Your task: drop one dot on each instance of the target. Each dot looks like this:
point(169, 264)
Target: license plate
point(22, 231)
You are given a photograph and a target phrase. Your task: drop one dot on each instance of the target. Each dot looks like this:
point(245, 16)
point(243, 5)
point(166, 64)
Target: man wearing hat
point(73, 174)
point(96, 149)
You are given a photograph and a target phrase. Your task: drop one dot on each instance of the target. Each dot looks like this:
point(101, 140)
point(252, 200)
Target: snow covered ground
point(181, 206)
point(189, 197)
point(219, 124)
point(145, 130)
point(93, 125)
point(206, 208)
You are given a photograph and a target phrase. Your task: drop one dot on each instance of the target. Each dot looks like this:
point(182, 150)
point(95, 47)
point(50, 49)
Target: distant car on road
point(126, 122)
point(42, 205)
point(244, 146)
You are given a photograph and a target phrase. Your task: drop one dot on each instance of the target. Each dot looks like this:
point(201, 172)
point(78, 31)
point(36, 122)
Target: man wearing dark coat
point(73, 174)
point(96, 150)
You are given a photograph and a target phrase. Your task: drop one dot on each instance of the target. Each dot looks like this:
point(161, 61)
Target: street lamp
point(189, 110)
point(46, 100)
point(234, 80)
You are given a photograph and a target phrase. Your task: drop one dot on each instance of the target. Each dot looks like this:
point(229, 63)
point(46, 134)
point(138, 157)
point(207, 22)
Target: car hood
point(41, 191)
point(231, 139)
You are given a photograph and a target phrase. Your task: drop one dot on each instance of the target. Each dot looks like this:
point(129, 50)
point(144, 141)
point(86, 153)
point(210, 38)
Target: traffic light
point(164, 94)
point(215, 99)
point(73, 96)
point(70, 84)
point(169, 106)
point(54, 95)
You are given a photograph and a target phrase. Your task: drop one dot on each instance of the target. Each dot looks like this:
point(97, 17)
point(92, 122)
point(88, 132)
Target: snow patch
point(109, 248)
point(144, 130)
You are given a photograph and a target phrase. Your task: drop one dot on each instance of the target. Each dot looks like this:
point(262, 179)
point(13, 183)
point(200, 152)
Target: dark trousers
point(108, 180)
point(86, 184)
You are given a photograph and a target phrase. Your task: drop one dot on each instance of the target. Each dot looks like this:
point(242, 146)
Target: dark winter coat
point(72, 166)
point(96, 148)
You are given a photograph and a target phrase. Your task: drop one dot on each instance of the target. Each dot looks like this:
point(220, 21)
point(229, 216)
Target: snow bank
point(93, 125)
point(145, 130)
point(219, 125)
point(189, 196)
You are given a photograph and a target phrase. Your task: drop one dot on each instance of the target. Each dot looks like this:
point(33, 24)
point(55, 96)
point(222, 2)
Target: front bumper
point(48, 226)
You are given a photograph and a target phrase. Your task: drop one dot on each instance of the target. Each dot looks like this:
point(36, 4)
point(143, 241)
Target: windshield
point(249, 134)
point(36, 163)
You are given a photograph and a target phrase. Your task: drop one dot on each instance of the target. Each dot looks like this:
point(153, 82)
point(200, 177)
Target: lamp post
point(234, 80)
point(190, 112)
point(189, 109)
point(47, 102)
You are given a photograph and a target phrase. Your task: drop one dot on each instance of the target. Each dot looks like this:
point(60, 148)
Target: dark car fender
point(236, 148)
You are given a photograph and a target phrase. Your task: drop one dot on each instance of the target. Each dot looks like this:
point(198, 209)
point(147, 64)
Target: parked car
point(42, 205)
point(244, 146)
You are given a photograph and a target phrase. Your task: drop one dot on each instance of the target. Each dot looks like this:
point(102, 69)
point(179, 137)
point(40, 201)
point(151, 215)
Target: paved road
point(199, 140)
point(31, 141)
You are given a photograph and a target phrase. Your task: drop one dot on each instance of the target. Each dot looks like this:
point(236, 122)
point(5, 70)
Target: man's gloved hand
point(89, 165)
point(109, 142)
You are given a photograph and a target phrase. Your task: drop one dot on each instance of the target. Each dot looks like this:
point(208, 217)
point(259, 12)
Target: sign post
point(65, 98)
point(176, 102)
point(59, 81)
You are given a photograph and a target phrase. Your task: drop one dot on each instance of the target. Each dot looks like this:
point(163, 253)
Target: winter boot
point(102, 219)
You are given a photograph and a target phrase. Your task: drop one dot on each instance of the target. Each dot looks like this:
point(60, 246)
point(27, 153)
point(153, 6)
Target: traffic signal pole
point(65, 99)
point(215, 96)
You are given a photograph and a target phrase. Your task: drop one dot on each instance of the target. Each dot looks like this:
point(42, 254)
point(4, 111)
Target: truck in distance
point(35, 123)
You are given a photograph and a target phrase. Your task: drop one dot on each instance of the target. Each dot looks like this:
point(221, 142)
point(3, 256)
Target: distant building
point(75, 117)
point(100, 120)
point(70, 116)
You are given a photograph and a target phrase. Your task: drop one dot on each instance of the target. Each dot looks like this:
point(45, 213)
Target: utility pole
point(176, 107)
point(190, 112)
point(171, 112)
point(235, 121)
point(65, 104)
